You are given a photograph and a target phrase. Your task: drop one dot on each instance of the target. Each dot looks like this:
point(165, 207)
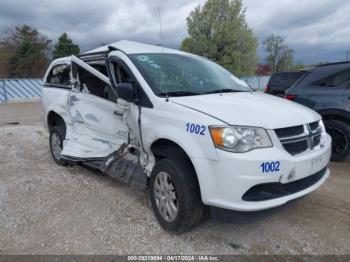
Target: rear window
point(334, 80)
point(282, 81)
point(59, 76)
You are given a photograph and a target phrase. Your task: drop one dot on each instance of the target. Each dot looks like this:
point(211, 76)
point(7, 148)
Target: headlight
point(323, 134)
point(239, 139)
point(321, 124)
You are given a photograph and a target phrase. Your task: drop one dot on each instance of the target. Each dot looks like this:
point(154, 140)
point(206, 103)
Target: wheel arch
point(54, 119)
point(335, 114)
point(160, 149)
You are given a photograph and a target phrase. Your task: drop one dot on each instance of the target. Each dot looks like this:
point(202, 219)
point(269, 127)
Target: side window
point(341, 78)
point(59, 76)
point(334, 80)
point(122, 74)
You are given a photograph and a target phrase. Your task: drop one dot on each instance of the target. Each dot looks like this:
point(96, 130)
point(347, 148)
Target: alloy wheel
point(165, 196)
point(56, 145)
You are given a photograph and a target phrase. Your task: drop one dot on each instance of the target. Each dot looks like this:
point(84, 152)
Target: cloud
point(316, 30)
point(91, 23)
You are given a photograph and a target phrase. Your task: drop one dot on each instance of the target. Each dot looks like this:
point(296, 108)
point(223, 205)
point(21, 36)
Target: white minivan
point(184, 128)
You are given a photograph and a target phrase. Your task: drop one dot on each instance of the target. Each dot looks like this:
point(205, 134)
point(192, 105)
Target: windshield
point(180, 75)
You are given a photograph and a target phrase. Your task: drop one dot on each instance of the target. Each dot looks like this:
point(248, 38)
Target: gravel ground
point(48, 209)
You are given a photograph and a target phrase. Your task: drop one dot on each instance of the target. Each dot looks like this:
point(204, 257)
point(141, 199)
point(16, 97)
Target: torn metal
point(92, 136)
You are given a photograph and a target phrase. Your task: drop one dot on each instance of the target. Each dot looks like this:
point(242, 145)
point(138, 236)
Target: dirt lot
point(48, 209)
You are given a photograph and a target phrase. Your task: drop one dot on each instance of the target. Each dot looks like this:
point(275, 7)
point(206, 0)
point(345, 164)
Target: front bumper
point(223, 183)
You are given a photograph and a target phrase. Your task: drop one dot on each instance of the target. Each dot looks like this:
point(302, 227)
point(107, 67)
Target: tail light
point(266, 89)
point(290, 97)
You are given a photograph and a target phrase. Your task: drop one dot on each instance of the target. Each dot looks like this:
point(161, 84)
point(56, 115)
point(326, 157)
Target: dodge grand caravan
point(184, 128)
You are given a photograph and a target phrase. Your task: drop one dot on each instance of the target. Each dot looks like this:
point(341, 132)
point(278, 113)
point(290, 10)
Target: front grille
point(296, 147)
point(317, 140)
point(314, 125)
point(298, 139)
point(274, 190)
point(289, 131)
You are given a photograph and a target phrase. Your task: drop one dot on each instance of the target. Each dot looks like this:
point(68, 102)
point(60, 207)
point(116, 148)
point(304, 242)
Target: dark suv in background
point(279, 82)
point(326, 89)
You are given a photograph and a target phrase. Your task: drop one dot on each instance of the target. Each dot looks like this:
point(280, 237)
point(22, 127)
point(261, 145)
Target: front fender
point(194, 148)
point(171, 125)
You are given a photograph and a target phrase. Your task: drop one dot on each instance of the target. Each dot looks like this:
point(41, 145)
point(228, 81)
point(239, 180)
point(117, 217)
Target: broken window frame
point(78, 64)
point(55, 85)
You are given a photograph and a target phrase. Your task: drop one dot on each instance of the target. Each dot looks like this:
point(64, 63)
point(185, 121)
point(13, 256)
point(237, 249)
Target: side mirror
point(126, 91)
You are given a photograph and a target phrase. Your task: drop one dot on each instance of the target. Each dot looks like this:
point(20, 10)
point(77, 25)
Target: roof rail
point(93, 56)
point(335, 63)
point(101, 55)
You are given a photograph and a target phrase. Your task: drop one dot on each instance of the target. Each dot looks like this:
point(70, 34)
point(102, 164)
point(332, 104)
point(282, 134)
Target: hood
point(250, 109)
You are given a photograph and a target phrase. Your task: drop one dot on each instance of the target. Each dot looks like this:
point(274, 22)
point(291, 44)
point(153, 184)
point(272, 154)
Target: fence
point(256, 82)
point(14, 89)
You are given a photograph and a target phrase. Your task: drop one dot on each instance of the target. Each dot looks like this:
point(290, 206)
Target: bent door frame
point(97, 124)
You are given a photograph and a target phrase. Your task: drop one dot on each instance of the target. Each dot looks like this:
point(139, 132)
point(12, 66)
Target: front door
point(97, 126)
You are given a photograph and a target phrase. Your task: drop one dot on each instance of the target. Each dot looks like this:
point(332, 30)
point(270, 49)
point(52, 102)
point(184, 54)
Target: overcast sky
point(318, 30)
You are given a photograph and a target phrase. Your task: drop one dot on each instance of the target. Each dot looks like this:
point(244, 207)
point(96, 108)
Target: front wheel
point(340, 133)
point(175, 195)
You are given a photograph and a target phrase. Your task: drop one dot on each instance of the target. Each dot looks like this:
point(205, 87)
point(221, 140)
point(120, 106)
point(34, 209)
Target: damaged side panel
point(97, 127)
point(100, 131)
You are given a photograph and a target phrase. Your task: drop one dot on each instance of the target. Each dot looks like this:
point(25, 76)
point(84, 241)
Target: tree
point(285, 63)
point(298, 66)
point(279, 56)
point(27, 52)
point(65, 47)
point(4, 57)
point(219, 31)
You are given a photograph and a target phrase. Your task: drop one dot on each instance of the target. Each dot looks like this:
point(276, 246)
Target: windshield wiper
point(225, 90)
point(178, 93)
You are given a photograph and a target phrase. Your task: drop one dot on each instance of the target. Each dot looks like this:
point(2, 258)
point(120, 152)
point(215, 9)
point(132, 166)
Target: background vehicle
point(279, 82)
point(326, 89)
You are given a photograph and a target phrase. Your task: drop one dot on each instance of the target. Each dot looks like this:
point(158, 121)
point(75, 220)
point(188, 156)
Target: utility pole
point(347, 55)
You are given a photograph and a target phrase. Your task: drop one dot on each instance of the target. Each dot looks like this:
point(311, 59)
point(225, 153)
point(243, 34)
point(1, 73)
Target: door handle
point(117, 113)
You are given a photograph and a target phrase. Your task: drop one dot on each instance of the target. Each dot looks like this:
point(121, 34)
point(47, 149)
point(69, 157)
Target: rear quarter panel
point(319, 98)
point(55, 99)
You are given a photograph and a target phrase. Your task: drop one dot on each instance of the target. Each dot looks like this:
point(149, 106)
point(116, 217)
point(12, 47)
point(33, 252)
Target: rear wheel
point(340, 133)
point(175, 195)
point(56, 145)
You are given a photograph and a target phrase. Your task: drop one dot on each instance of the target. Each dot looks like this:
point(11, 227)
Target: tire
point(340, 133)
point(56, 139)
point(190, 209)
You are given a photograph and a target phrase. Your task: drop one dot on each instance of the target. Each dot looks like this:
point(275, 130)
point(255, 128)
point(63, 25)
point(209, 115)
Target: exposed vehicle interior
point(93, 85)
point(59, 75)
